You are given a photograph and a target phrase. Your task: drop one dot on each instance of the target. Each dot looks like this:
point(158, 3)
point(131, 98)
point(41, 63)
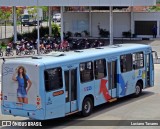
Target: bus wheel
point(138, 90)
point(87, 107)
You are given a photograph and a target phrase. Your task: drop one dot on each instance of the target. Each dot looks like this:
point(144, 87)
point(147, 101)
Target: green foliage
point(32, 9)
point(4, 15)
point(3, 44)
point(55, 29)
point(126, 34)
point(68, 34)
point(155, 8)
point(33, 35)
point(19, 11)
point(77, 34)
point(85, 32)
point(158, 1)
point(44, 8)
point(103, 33)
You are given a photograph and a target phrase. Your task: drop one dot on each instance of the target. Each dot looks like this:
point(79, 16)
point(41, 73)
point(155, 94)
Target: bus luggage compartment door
point(71, 90)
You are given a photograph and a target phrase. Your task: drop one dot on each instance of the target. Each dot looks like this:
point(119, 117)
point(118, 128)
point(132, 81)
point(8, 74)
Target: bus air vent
point(36, 57)
point(115, 46)
point(59, 55)
point(56, 54)
point(78, 51)
point(99, 48)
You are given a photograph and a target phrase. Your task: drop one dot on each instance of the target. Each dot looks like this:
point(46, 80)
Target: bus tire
point(138, 90)
point(87, 107)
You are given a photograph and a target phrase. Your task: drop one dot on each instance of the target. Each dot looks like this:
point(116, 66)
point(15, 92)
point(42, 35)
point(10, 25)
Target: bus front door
point(112, 79)
point(71, 90)
point(149, 70)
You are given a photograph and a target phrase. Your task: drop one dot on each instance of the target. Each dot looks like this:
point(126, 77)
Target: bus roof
point(81, 55)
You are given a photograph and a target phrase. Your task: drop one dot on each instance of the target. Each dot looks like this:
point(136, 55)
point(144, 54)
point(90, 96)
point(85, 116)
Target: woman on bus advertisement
point(24, 84)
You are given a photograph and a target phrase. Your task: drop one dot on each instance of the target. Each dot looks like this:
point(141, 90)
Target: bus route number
point(88, 88)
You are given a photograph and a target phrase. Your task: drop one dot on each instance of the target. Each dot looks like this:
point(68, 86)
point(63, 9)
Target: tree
point(158, 1)
point(5, 14)
point(32, 11)
point(19, 11)
point(45, 11)
point(155, 8)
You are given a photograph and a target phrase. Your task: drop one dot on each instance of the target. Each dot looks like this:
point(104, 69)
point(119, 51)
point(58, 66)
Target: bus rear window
point(53, 79)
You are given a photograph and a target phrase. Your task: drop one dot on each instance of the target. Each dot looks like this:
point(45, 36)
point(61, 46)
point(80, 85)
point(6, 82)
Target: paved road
point(145, 107)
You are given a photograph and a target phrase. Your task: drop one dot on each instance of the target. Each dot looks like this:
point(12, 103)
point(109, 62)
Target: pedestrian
point(154, 31)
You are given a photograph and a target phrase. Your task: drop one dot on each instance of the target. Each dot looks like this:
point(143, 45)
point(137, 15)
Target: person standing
point(154, 31)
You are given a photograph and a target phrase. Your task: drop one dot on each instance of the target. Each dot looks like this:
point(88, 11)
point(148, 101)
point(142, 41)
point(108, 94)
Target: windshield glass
point(25, 16)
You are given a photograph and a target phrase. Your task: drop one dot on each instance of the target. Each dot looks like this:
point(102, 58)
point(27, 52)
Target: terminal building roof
point(77, 2)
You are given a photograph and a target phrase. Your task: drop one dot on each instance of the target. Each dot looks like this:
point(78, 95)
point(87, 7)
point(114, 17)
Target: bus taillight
point(38, 102)
point(1, 96)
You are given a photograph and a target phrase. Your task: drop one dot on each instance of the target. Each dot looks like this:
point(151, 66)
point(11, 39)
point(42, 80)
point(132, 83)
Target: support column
point(62, 36)
point(111, 25)
point(132, 21)
point(90, 21)
point(50, 26)
point(38, 33)
point(14, 24)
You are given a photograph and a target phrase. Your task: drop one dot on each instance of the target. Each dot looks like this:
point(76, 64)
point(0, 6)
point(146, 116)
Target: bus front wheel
point(87, 107)
point(138, 90)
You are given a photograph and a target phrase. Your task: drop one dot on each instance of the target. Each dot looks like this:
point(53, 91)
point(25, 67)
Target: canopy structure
point(77, 2)
point(62, 3)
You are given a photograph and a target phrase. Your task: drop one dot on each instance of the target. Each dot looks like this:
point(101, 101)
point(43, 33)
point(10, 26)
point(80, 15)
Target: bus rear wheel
point(87, 107)
point(138, 90)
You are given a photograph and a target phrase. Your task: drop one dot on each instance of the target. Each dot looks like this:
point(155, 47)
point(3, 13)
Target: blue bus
point(59, 84)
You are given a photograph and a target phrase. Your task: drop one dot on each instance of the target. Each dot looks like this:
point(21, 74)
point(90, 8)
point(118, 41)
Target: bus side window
point(53, 79)
point(100, 68)
point(138, 60)
point(86, 71)
point(126, 63)
point(46, 77)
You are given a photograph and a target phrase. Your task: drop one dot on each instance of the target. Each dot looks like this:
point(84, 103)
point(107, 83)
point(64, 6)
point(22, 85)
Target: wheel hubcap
point(87, 107)
point(137, 90)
